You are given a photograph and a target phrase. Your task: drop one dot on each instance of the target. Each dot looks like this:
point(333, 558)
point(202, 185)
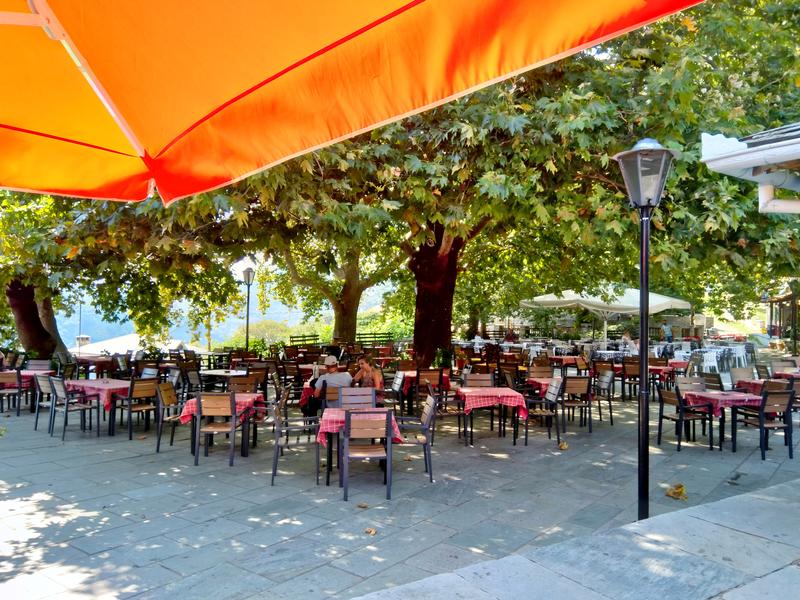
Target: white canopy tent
point(626, 303)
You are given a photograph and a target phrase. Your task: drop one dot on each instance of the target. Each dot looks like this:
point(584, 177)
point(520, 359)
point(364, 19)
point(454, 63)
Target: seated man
point(332, 378)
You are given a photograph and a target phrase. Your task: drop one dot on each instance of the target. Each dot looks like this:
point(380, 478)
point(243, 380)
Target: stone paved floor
point(110, 518)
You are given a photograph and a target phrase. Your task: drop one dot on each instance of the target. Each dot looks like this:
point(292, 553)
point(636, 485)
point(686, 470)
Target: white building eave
point(759, 164)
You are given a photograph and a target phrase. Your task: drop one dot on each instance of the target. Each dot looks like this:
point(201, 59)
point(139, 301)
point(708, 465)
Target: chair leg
point(275, 453)
point(36, 419)
point(159, 430)
point(389, 469)
point(232, 443)
point(316, 459)
point(172, 433)
point(660, 424)
point(344, 469)
point(196, 441)
point(610, 413)
point(130, 422)
point(681, 426)
point(64, 429)
point(98, 417)
point(430, 463)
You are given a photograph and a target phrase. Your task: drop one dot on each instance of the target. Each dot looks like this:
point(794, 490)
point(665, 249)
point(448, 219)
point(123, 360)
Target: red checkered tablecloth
point(332, 421)
point(244, 402)
point(410, 378)
point(791, 373)
point(753, 386)
point(678, 364)
point(563, 360)
point(539, 383)
point(27, 376)
point(105, 388)
point(489, 396)
point(720, 400)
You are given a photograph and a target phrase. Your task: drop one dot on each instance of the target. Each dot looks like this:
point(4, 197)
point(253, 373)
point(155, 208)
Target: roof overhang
point(770, 158)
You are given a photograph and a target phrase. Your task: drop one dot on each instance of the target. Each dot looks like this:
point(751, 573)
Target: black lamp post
point(249, 275)
point(644, 169)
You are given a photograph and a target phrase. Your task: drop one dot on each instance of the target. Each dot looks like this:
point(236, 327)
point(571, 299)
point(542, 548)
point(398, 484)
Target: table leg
point(245, 443)
point(112, 422)
point(329, 459)
point(721, 428)
point(471, 429)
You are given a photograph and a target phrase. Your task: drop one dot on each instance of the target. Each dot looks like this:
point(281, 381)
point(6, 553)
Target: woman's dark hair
point(366, 358)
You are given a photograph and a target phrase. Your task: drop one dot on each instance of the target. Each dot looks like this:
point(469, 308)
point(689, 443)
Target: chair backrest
point(658, 362)
point(690, 384)
point(668, 396)
point(368, 424)
point(741, 373)
point(216, 404)
point(42, 383)
point(776, 385)
point(481, 369)
point(356, 397)
point(149, 373)
point(331, 395)
point(479, 380)
point(166, 394)
point(542, 360)
point(406, 365)
point(779, 365)
point(762, 371)
point(143, 388)
point(69, 370)
point(554, 390)
point(605, 380)
point(713, 381)
point(10, 378)
point(432, 376)
point(428, 413)
point(189, 354)
point(576, 386)
point(174, 376)
point(509, 379)
point(630, 368)
point(580, 363)
point(540, 371)
point(38, 364)
point(58, 388)
point(243, 383)
point(777, 402)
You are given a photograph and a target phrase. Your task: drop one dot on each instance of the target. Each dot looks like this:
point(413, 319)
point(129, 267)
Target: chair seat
point(215, 428)
point(541, 412)
point(576, 403)
point(769, 424)
point(142, 407)
point(371, 451)
point(9, 391)
point(73, 406)
point(171, 418)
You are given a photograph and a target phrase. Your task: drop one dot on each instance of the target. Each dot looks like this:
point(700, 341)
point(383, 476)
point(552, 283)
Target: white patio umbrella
point(626, 303)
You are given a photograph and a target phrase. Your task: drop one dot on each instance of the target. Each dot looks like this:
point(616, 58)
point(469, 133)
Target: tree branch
point(479, 226)
point(299, 279)
point(383, 273)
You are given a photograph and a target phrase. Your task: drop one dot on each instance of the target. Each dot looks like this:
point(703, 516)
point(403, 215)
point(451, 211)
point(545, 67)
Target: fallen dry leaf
point(563, 446)
point(362, 505)
point(371, 531)
point(677, 491)
point(408, 458)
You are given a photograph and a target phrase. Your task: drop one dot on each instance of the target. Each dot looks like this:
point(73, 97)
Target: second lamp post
point(249, 276)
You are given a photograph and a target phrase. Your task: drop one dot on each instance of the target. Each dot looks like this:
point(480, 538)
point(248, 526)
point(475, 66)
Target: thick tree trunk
point(32, 334)
point(473, 322)
point(435, 269)
point(345, 312)
point(48, 318)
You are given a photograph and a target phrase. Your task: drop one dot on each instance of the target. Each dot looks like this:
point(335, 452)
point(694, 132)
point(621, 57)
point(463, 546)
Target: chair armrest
point(411, 426)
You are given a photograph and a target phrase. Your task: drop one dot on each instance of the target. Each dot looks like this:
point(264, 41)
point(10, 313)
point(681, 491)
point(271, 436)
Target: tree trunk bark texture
point(32, 333)
point(435, 269)
point(345, 312)
point(48, 318)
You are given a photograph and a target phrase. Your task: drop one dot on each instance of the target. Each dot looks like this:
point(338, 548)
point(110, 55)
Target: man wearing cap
point(333, 378)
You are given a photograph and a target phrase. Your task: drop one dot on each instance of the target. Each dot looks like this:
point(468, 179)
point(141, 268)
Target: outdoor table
point(27, 375)
point(678, 364)
point(563, 362)
point(382, 361)
point(223, 373)
point(105, 389)
point(661, 372)
point(410, 378)
point(719, 401)
point(332, 422)
point(101, 363)
point(539, 383)
point(484, 397)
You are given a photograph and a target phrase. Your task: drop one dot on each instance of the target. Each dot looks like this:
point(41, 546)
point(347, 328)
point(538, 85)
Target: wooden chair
point(545, 408)
point(286, 426)
point(778, 365)
point(248, 384)
point(367, 426)
point(576, 393)
point(71, 402)
point(169, 411)
point(540, 371)
point(762, 371)
point(141, 398)
point(217, 404)
point(406, 365)
point(421, 431)
point(11, 389)
point(425, 377)
point(43, 398)
point(774, 413)
point(630, 377)
point(604, 389)
point(581, 366)
point(38, 364)
point(683, 415)
point(690, 384)
point(354, 398)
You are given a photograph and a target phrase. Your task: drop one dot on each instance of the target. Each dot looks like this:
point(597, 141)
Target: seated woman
point(369, 376)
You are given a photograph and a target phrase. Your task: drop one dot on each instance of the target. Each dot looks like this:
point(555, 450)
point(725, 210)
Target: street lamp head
point(249, 275)
point(645, 168)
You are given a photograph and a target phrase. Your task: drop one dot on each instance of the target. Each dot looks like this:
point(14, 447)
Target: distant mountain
point(92, 324)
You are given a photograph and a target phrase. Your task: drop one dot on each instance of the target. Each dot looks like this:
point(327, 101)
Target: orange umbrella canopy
point(105, 99)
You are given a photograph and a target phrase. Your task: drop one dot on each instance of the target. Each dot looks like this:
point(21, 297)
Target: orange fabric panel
point(213, 91)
